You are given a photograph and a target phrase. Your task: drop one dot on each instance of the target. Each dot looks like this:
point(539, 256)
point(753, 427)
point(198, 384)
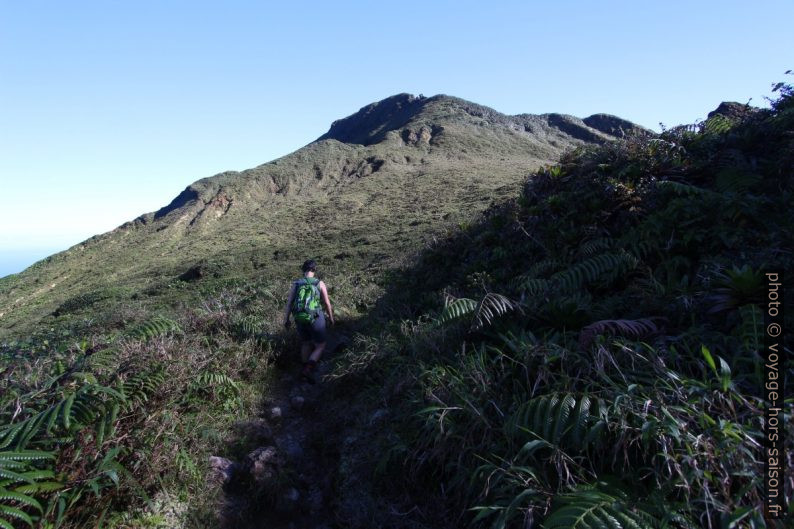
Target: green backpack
point(306, 306)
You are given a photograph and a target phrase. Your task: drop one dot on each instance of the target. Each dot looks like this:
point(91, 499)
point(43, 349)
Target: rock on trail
point(287, 481)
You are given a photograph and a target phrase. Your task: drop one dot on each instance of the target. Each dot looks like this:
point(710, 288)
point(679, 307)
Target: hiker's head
point(309, 266)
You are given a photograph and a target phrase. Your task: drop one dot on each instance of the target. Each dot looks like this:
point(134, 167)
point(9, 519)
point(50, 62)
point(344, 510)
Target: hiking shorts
point(314, 332)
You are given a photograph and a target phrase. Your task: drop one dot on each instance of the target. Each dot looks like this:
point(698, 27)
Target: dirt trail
point(288, 481)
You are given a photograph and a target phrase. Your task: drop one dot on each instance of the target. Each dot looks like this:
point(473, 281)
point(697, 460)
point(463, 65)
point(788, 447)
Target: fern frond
point(16, 467)
point(213, 379)
point(138, 386)
point(542, 268)
point(248, 327)
point(533, 286)
point(35, 475)
point(67, 410)
point(103, 360)
point(76, 410)
point(14, 477)
point(19, 498)
point(717, 125)
point(732, 180)
point(593, 246)
point(25, 455)
point(631, 328)
point(491, 306)
point(40, 487)
point(13, 512)
point(157, 326)
point(561, 420)
point(457, 309)
point(8, 433)
point(531, 282)
point(605, 266)
point(595, 509)
point(642, 247)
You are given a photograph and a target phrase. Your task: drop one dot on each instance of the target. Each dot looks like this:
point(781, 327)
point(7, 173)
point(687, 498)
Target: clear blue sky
point(109, 109)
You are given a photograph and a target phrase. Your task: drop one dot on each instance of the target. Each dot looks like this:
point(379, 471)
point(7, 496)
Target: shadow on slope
point(517, 359)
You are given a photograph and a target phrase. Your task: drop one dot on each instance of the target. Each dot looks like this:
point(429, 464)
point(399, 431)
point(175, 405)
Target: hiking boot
point(307, 373)
point(308, 376)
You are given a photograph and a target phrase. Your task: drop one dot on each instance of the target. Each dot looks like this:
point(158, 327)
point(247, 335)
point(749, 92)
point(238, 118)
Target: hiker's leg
point(318, 339)
point(317, 352)
point(306, 350)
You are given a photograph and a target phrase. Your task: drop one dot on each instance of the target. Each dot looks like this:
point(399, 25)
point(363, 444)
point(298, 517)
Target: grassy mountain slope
point(585, 353)
point(366, 193)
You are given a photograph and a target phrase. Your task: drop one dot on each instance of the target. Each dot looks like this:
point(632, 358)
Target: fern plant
point(591, 508)
point(482, 313)
point(456, 309)
point(154, 327)
point(138, 386)
point(634, 329)
point(605, 267)
point(74, 410)
point(558, 421)
point(70, 409)
point(21, 476)
point(249, 326)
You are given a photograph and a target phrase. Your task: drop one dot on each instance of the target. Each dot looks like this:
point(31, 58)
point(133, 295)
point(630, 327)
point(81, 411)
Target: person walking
point(304, 304)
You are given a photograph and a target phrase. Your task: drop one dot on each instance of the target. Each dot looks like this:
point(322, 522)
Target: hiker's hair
point(309, 266)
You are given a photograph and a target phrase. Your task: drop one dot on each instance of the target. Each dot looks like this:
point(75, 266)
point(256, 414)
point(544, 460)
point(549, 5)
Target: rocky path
point(287, 481)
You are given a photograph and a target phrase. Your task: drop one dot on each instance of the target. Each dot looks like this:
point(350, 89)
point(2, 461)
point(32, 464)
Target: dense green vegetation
point(586, 355)
point(92, 423)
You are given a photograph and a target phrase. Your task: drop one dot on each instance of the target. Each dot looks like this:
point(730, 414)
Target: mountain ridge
point(393, 174)
point(397, 111)
point(402, 115)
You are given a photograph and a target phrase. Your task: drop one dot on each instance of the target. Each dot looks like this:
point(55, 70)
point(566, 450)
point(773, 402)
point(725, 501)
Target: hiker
point(304, 304)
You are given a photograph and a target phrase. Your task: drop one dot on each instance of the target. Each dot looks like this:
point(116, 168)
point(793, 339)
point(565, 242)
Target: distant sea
point(14, 260)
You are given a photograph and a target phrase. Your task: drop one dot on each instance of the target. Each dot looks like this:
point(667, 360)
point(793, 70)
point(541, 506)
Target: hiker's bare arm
point(326, 301)
point(289, 304)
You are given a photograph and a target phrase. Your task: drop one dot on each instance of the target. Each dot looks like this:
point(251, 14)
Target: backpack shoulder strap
point(296, 285)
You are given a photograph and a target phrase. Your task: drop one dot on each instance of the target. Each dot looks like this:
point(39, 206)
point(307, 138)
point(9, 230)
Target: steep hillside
point(364, 195)
point(585, 353)
point(592, 353)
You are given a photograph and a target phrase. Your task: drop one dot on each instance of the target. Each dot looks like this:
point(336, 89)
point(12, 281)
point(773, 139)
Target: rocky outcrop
point(733, 110)
point(182, 199)
point(575, 128)
point(614, 126)
point(371, 123)
point(422, 135)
